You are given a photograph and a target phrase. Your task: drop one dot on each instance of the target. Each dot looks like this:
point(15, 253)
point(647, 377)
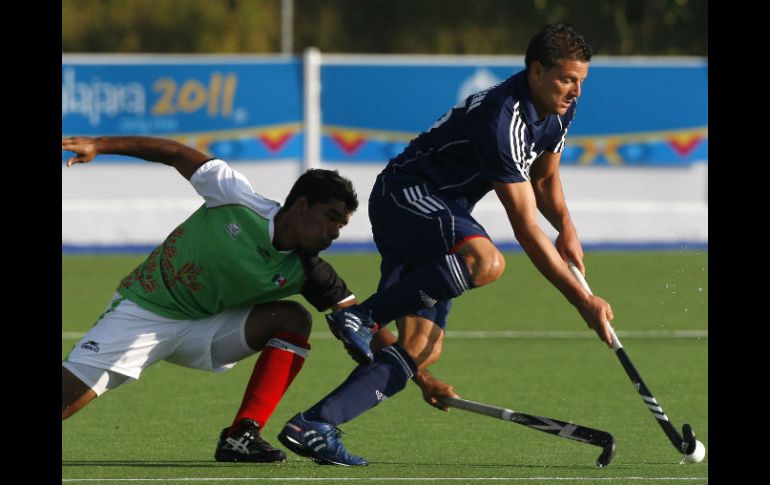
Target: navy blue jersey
point(493, 135)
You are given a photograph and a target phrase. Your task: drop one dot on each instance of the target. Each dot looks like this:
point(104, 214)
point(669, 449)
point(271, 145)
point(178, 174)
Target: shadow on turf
point(481, 465)
point(213, 464)
point(146, 464)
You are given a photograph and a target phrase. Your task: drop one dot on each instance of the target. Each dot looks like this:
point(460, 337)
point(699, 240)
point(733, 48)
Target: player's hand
point(84, 147)
point(569, 247)
point(434, 390)
point(597, 313)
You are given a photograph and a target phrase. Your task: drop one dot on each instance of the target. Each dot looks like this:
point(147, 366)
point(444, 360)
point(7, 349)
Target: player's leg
point(280, 330)
point(369, 384)
point(449, 251)
point(472, 262)
point(75, 394)
point(81, 384)
point(125, 340)
point(314, 433)
point(419, 344)
point(485, 262)
point(421, 338)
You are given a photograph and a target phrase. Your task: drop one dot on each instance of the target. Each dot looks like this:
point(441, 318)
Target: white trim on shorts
point(99, 380)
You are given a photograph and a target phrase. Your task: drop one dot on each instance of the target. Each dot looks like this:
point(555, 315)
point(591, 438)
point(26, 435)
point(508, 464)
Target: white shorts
point(127, 339)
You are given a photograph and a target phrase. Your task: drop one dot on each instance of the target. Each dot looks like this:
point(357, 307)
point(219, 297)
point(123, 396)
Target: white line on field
point(372, 479)
point(519, 334)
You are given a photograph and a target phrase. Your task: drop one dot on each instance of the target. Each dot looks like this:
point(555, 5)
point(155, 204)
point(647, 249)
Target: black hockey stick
point(555, 427)
point(686, 442)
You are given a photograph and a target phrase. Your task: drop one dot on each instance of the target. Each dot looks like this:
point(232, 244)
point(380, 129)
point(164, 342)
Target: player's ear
point(537, 70)
point(300, 204)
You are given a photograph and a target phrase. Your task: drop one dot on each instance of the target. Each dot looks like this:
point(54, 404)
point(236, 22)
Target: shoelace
point(254, 438)
point(333, 435)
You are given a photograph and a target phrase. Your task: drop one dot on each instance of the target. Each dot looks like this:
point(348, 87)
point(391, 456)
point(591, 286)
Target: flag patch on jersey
point(279, 280)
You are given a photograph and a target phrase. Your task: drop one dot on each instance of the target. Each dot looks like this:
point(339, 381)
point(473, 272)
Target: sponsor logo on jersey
point(280, 280)
point(90, 345)
point(233, 229)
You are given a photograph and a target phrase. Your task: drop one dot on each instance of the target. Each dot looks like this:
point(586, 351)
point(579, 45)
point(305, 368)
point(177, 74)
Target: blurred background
point(614, 27)
point(276, 86)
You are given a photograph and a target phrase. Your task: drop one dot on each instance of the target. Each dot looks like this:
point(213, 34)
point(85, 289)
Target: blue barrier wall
point(237, 109)
point(640, 113)
point(632, 112)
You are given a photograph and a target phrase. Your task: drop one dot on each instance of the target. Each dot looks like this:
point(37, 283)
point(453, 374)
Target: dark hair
point(554, 42)
point(320, 185)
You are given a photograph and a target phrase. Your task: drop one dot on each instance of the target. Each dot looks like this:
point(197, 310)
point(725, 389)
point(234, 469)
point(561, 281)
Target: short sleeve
point(219, 184)
point(500, 142)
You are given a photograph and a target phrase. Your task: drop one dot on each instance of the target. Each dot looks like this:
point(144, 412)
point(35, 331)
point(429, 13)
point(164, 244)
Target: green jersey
point(223, 257)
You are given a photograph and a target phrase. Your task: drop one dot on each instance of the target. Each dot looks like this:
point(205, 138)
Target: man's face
point(321, 224)
point(554, 89)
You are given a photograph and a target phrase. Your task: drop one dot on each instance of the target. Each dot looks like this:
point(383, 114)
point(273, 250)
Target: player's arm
point(433, 389)
point(520, 204)
point(168, 152)
point(549, 195)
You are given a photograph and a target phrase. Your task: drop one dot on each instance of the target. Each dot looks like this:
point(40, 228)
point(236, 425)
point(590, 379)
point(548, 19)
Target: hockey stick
point(555, 427)
point(692, 449)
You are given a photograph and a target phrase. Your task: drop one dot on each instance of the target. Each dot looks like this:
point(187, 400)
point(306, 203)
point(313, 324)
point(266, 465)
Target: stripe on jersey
point(429, 200)
point(518, 142)
point(412, 198)
point(426, 203)
point(560, 146)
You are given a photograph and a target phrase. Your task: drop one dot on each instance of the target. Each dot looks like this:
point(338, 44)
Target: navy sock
point(365, 387)
point(441, 279)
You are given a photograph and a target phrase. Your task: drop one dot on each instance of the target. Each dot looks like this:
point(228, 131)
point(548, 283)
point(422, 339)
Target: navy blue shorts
point(415, 225)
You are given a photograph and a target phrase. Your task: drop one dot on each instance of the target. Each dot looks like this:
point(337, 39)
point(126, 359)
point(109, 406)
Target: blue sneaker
point(318, 441)
point(355, 328)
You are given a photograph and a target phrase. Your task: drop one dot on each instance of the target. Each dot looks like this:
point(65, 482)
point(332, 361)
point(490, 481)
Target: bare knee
point(485, 267)
point(496, 266)
point(266, 320)
point(484, 261)
point(296, 318)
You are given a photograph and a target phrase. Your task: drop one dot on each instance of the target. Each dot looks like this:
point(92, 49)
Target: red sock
point(277, 366)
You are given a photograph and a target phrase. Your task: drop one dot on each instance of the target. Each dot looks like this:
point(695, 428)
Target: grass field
point(164, 428)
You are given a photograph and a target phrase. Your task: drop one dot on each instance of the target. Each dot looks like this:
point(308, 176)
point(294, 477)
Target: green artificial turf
point(164, 427)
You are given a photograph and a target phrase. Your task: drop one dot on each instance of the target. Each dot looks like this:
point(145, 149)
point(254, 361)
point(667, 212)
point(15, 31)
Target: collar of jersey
point(271, 228)
point(526, 106)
